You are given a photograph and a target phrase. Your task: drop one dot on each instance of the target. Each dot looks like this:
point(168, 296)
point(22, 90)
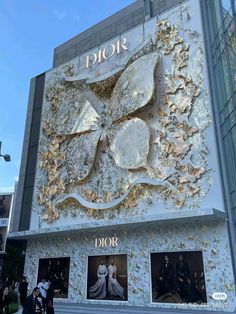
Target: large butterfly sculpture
point(90, 119)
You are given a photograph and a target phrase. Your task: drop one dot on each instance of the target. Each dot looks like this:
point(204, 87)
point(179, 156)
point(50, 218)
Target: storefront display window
point(178, 277)
point(107, 278)
point(57, 271)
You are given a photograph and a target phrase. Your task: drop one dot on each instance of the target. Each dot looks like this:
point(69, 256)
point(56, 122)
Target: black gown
point(23, 286)
point(167, 282)
point(182, 277)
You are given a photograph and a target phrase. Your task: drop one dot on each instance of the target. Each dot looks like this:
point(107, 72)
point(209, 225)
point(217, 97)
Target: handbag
point(50, 309)
point(49, 305)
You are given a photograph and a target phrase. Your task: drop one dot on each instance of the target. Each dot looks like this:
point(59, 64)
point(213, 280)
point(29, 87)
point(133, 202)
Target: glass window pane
point(231, 154)
point(231, 121)
point(233, 135)
point(229, 108)
point(222, 117)
point(230, 161)
point(227, 20)
point(232, 58)
point(217, 14)
point(225, 75)
point(221, 47)
point(230, 30)
point(219, 90)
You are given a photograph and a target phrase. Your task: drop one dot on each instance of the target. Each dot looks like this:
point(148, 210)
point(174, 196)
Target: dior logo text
point(106, 52)
point(105, 242)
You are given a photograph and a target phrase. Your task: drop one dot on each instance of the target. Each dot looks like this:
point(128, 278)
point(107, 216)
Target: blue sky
point(29, 31)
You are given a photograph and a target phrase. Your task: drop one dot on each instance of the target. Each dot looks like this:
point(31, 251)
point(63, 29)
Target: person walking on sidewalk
point(43, 286)
point(32, 304)
point(23, 288)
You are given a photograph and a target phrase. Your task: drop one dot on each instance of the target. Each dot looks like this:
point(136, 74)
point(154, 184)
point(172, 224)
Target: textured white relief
point(133, 142)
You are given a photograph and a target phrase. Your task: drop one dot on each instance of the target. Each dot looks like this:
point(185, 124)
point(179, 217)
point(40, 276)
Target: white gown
point(114, 287)
point(98, 291)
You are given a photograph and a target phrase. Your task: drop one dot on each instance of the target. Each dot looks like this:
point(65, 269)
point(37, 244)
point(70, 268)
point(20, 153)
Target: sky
point(29, 31)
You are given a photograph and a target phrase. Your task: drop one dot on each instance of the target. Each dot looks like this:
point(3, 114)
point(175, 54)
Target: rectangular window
point(178, 277)
point(216, 9)
point(107, 278)
point(55, 270)
point(226, 88)
point(232, 58)
point(230, 159)
point(228, 108)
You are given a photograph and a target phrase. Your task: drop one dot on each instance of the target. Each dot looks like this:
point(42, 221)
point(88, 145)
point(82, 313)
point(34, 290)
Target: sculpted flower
point(89, 119)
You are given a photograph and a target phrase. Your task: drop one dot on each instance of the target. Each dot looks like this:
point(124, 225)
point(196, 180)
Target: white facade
point(164, 197)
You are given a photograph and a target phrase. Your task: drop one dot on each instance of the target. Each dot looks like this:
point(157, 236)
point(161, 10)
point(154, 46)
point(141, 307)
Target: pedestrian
point(4, 300)
point(23, 288)
point(32, 304)
point(43, 286)
point(50, 295)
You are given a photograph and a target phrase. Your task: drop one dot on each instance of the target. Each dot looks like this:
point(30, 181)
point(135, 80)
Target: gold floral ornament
point(50, 161)
point(167, 37)
point(77, 115)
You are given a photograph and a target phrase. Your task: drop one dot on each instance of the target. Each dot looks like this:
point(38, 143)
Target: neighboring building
point(127, 182)
point(219, 19)
point(5, 213)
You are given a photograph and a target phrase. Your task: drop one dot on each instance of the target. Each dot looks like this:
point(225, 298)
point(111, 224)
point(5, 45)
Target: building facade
point(127, 183)
point(221, 61)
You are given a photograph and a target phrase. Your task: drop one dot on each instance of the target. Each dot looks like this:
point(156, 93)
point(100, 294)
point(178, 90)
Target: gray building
point(220, 27)
point(194, 214)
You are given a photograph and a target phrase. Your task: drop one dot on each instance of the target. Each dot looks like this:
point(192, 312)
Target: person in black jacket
point(32, 304)
point(183, 278)
point(166, 278)
point(23, 288)
point(4, 300)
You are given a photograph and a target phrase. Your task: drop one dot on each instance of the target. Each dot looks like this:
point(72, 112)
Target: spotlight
point(6, 156)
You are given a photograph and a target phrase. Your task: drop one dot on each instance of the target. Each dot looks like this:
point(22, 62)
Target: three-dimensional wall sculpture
point(138, 133)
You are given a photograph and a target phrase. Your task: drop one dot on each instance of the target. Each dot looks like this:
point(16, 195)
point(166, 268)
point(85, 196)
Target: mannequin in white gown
point(114, 288)
point(99, 290)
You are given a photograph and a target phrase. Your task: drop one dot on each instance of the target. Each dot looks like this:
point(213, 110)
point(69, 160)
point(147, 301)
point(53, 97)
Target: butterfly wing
point(81, 153)
point(135, 87)
point(130, 145)
point(76, 113)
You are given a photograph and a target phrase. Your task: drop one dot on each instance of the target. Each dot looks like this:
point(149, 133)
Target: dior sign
point(106, 52)
point(105, 242)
